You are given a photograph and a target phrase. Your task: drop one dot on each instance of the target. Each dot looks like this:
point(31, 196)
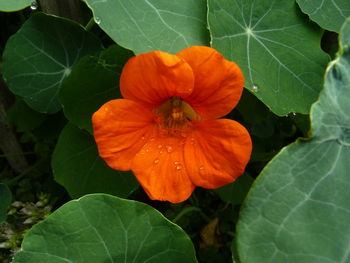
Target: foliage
point(56, 72)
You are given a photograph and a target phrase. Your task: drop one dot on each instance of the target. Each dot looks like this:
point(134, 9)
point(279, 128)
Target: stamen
point(175, 115)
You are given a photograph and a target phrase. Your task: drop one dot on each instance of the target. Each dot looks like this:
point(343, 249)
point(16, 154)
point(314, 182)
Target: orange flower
point(165, 129)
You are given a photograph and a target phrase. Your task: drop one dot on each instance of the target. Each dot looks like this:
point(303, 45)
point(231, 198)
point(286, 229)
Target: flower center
point(175, 114)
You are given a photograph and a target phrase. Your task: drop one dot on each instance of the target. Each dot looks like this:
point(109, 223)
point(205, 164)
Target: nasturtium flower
point(166, 129)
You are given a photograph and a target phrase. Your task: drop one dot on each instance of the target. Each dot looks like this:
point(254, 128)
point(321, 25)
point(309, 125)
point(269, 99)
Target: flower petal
point(153, 77)
point(217, 153)
point(218, 82)
point(160, 169)
point(121, 128)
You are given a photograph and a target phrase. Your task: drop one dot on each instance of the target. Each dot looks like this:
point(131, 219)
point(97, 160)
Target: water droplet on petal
point(97, 20)
point(160, 146)
point(156, 161)
point(161, 152)
point(147, 150)
point(201, 167)
point(178, 168)
point(176, 163)
point(34, 5)
point(169, 149)
point(255, 88)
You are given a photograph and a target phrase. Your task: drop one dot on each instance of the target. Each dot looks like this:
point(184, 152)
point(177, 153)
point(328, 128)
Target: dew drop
point(169, 149)
point(294, 114)
point(255, 88)
point(176, 163)
point(160, 146)
point(161, 152)
point(201, 167)
point(178, 167)
point(97, 20)
point(156, 161)
point(193, 141)
point(34, 5)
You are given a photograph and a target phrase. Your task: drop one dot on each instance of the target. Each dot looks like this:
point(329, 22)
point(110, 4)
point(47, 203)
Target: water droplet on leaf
point(97, 20)
point(34, 5)
point(255, 88)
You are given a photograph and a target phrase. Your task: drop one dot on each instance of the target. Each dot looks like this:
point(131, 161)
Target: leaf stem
point(190, 209)
point(90, 24)
point(15, 154)
point(31, 168)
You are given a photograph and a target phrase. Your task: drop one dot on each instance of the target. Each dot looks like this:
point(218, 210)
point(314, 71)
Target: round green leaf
point(146, 25)
point(235, 192)
point(40, 55)
point(328, 14)
point(278, 51)
point(14, 5)
point(298, 209)
point(92, 82)
point(23, 117)
point(77, 166)
point(106, 229)
point(5, 197)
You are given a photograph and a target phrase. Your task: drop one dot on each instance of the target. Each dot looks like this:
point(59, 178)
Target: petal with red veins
point(121, 128)
point(218, 82)
point(154, 77)
point(217, 153)
point(160, 169)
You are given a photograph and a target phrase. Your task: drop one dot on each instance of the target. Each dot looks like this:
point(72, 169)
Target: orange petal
point(153, 77)
point(160, 169)
point(121, 128)
point(217, 153)
point(218, 82)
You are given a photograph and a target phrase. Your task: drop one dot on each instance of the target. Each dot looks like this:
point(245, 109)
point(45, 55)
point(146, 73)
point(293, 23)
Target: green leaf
point(102, 228)
point(329, 15)
point(14, 5)
point(40, 55)
point(23, 117)
point(298, 209)
point(153, 24)
point(5, 197)
point(277, 50)
point(235, 192)
point(92, 82)
point(77, 166)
